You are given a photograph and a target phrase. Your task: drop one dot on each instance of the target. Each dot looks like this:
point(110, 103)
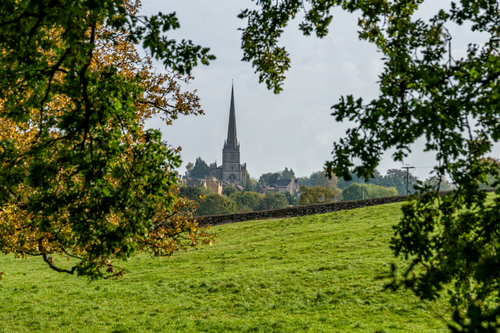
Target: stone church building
point(231, 171)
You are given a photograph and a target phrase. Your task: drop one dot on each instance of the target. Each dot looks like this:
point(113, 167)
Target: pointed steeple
point(232, 142)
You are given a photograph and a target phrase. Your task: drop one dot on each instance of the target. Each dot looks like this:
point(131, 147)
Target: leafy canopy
point(80, 176)
point(451, 104)
point(391, 179)
point(271, 178)
point(318, 194)
point(357, 191)
point(199, 170)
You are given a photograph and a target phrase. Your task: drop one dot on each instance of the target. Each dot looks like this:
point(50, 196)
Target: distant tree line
point(231, 200)
point(315, 188)
point(394, 178)
point(271, 178)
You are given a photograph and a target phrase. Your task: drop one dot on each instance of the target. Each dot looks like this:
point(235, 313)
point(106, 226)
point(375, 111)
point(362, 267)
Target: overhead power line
point(407, 167)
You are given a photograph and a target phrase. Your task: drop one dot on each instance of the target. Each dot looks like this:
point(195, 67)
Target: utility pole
point(407, 167)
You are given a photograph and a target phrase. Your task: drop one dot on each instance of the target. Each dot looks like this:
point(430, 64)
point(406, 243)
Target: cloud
point(293, 129)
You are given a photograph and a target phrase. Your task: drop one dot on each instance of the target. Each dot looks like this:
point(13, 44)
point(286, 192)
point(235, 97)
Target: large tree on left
point(80, 176)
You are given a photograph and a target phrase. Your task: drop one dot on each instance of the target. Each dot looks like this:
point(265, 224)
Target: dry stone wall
point(302, 210)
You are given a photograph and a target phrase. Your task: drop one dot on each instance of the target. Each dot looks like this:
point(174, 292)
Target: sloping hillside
point(314, 273)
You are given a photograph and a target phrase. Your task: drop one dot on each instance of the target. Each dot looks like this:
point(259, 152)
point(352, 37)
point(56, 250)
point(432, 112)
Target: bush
point(318, 194)
point(357, 191)
point(273, 201)
point(292, 201)
point(228, 190)
point(193, 192)
point(247, 200)
point(215, 204)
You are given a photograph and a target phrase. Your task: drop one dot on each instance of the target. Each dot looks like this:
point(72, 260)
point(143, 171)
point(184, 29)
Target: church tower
point(231, 169)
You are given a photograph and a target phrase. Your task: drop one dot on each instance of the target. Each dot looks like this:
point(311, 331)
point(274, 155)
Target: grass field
point(305, 274)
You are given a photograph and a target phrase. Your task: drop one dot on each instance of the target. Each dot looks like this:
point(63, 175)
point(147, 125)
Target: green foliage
point(199, 170)
point(271, 178)
point(394, 178)
point(309, 181)
point(189, 168)
point(357, 191)
point(490, 180)
point(326, 181)
point(318, 194)
point(228, 190)
point(247, 201)
point(287, 174)
point(391, 179)
point(194, 192)
point(400, 173)
point(306, 274)
point(250, 184)
point(441, 184)
point(209, 203)
point(79, 173)
point(452, 241)
point(232, 201)
point(318, 188)
point(215, 204)
point(292, 201)
point(273, 201)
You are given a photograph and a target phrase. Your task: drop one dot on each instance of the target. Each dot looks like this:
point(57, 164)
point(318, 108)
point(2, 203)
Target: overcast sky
point(293, 129)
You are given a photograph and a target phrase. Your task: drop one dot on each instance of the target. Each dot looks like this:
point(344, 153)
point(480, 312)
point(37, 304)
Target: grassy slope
point(314, 273)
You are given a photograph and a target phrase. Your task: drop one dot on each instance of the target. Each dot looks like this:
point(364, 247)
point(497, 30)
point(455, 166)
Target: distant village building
point(264, 189)
point(213, 184)
point(194, 182)
point(287, 185)
point(209, 182)
point(231, 172)
point(282, 186)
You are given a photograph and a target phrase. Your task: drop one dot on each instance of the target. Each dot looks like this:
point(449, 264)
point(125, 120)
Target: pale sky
point(293, 129)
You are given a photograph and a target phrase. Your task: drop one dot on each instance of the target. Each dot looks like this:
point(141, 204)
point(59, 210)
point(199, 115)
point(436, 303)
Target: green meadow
point(305, 274)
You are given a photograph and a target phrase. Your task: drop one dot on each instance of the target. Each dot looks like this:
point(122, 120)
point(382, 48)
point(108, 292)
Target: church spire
point(232, 142)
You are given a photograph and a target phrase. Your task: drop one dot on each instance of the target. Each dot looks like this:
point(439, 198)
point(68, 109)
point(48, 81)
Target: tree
point(215, 204)
point(292, 200)
point(311, 180)
point(269, 178)
point(490, 180)
point(318, 194)
point(398, 179)
point(189, 168)
point(251, 185)
point(401, 174)
point(200, 169)
point(436, 183)
point(391, 179)
point(194, 193)
point(273, 201)
point(357, 191)
point(324, 190)
point(247, 201)
point(248, 185)
point(397, 182)
point(228, 190)
point(326, 181)
point(80, 176)
point(287, 174)
point(452, 104)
